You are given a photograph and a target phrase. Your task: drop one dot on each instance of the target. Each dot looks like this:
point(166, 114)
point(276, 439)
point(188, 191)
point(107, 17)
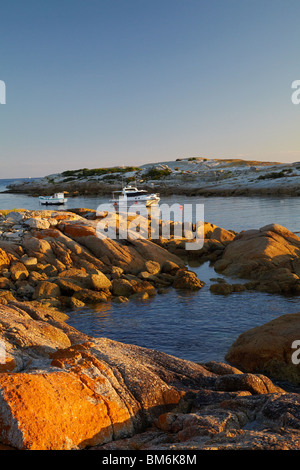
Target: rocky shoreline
point(193, 176)
point(62, 389)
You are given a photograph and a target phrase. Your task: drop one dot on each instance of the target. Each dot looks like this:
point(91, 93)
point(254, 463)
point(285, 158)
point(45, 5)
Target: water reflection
point(197, 326)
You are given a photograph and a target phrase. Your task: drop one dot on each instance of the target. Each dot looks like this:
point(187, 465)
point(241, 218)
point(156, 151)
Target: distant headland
point(191, 176)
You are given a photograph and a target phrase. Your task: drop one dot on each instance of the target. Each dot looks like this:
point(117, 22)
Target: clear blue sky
point(93, 83)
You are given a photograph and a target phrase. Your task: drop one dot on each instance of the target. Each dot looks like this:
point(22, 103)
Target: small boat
point(56, 199)
point(132, 195)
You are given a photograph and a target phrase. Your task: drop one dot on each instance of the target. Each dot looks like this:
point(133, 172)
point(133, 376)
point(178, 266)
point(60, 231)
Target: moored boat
point(56, 199)
point(132, 195)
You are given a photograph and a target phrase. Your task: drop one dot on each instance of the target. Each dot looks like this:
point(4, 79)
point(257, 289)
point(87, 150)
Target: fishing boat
point(56, 199)
point(132, 195)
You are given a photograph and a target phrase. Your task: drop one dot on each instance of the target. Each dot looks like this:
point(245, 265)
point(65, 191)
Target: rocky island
point(191, 176)
point(63, 389)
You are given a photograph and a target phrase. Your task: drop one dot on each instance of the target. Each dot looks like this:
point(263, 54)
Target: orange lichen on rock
point(7, 365)
point(78, 230)
point(4, 259)
point(48, 233)
point(55, 410)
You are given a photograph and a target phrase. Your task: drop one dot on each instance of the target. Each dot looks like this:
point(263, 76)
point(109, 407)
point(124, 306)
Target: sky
point(100, 83)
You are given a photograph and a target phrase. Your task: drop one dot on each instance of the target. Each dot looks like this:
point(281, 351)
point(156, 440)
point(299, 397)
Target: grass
point(156, 174)
point(274, 174)
point(85, 172)
point(4, 212)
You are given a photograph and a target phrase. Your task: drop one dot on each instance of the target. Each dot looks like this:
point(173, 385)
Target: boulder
point(143, 287)
point(69, 286)
point(29, 262)
point(152, 267)
point(38, 248)
point(268, 256)
point(35, 277)
point(109, 251)
point(25, 290)
point(27, 392)
point(224, 288)
point(26, 338)
point(148, 250)
point(140, 296)
point(120, 299)
point(110, 390)
point(37, 223)
point(15, 217)
point(88, 296)
point(6, 295)
point(122, 287)
point(48, 269)
point(6, 283)
point(170, 267)
point(18, 271)
point(116, 272)
point(187, 280)
point(76, 303)
point(4, 259)
point(268, 349)
point(46, 290)
point(221, 421)
point(256, 384)
point(221, 235)
point(99, 282)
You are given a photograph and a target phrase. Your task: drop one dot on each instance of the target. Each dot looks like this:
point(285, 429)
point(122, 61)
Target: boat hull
point(128, 203)
point(52, 202)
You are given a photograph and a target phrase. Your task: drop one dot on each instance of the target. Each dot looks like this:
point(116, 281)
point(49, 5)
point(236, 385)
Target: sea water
point(197, 326)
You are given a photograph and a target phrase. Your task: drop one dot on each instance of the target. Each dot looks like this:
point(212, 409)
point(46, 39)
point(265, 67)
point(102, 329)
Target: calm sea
point(197, 326)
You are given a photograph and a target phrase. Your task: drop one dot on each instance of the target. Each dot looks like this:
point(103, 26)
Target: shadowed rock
point(268, 257)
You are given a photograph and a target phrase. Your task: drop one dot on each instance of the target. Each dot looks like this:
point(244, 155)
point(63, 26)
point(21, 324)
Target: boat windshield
point(135, 193)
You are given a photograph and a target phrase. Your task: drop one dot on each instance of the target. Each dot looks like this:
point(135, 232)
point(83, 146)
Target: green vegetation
point(131, 179)
point(274, 174)
point(85, 172)
point(156, 174)
point(4, 212)
point(50, 180)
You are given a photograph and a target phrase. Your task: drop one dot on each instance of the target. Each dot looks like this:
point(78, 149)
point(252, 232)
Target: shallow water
point(198, 326)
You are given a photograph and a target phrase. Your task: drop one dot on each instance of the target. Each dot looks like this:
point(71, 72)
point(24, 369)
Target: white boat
point(131, 195)
point(56, 199)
